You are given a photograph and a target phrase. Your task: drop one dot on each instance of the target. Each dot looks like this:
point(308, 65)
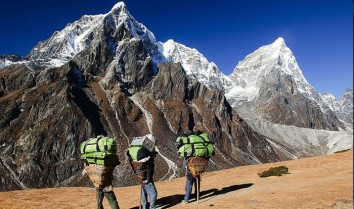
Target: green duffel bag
point(199, 150)
point(107, 160)
point(205, 137)
point(192, 139)
point(100, 150)
point(137, 153)
point(211, 150)
point(101, 158)
point(98, 144)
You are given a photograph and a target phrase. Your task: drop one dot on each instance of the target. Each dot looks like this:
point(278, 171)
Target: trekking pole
point(141, 193)
point(197, 178)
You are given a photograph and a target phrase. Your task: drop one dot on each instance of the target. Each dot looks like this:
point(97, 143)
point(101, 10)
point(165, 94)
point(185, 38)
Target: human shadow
point(216, 192)
point(169, 201)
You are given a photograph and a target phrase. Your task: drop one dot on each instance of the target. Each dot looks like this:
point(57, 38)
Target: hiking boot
point(184, 202)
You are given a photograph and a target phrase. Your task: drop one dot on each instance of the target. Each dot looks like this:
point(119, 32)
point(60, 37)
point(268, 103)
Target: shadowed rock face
point(278, 102)
point(48, 113)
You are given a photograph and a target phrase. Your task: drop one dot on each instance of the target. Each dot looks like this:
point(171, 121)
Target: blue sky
point(319, 32)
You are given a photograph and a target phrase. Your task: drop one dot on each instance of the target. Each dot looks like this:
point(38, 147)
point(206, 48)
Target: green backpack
point(137, 153)
point(100, 150)
point(199, 150)
point(195, 145)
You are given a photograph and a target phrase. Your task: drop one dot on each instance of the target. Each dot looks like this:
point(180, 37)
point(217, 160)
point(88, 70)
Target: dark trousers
point(110, 196)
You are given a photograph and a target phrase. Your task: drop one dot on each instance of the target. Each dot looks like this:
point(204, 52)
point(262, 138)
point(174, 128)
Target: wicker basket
point(197, 165)
point(100, 175)
point(139, 169)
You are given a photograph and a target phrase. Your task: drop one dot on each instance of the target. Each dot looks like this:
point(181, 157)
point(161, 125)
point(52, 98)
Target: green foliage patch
point(274, 171)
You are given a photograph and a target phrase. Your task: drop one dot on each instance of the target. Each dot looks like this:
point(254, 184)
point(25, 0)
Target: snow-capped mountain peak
point(263, 62)
point(279, 42)
point(329, 96)
point(276, 54)
point(342, 107)
point(121, 15)
point(75, 37)
point(194, 63)
point(118, 6)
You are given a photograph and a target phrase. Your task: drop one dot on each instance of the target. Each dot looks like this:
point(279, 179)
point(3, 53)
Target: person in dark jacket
point(145, 172)
point(148, 186)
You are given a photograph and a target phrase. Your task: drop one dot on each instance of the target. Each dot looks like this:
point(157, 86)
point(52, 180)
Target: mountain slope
point(269, 83)
point(111, 80)
point(342, 107)
point(267, 69)
point(317, 182)
point(111, 88)
point(195, 64)
point(63, 45)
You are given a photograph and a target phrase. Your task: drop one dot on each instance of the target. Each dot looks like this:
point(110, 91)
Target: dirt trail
point(316, 182)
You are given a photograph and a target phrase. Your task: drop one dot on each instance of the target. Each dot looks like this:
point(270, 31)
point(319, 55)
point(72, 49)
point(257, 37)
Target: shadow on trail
point(209, 194)
point(169, 201)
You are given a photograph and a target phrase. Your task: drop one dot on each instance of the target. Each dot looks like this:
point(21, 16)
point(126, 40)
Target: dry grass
point(322, 182)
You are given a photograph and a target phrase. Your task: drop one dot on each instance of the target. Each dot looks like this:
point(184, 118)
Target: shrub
point(274, 171)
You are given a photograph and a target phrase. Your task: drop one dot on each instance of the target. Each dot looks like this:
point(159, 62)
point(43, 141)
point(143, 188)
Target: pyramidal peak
point(269, 62)
point(275, 55)
point(279, 42)
point(79, 35)
point(118, 6)
point(120, 10)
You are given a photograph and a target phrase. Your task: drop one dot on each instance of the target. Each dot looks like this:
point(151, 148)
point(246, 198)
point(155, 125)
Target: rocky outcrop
point(343, 107)
point(270, 84)
point(48, 113)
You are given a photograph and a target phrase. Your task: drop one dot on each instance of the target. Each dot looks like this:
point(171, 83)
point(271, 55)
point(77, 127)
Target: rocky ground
point(312, 183)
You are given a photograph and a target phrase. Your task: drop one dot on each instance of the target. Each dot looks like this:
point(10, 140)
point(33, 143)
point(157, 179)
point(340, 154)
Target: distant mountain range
point(107, 74)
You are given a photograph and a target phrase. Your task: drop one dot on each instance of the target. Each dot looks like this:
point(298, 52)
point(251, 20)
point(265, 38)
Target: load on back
point(100, 150)
point(195, 146)
point(100, 158)
point(141, 154)
point(141, 148)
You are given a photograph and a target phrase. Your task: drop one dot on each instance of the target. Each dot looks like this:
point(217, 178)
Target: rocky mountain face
point(49, 113)
point(110, 88)
point(106, 74)
point(269, 83)
point(342, 107)
point(195, 64)
point(9, 59)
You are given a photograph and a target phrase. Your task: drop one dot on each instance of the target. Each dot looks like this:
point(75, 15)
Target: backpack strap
point(205, 142)
point(105, 146)
point(98, 139)
point(207, 150)
point(193, 149)
point(84, 151)
point(188, 140)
